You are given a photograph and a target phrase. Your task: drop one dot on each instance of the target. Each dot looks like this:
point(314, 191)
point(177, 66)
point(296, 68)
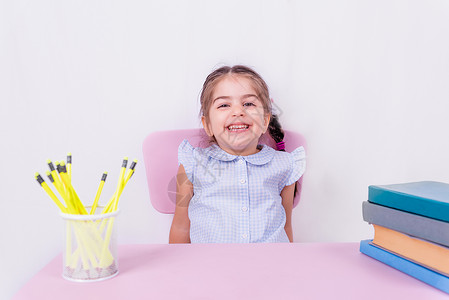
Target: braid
point(275, 130)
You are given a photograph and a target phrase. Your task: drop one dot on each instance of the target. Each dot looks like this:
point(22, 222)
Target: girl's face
point(236, 116)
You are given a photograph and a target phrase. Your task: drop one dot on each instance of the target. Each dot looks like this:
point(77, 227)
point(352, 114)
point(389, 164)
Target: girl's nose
point(238, 111)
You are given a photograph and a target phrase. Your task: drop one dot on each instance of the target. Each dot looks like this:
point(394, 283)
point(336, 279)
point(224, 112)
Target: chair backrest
point(160, 153)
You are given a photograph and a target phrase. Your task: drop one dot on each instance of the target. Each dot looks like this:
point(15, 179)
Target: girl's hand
point(287, 201)
point(180, 228)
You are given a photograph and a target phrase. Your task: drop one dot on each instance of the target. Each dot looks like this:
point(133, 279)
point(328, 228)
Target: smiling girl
point(236, 190)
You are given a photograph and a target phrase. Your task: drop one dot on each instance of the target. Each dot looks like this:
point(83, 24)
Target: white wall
point(365, 81)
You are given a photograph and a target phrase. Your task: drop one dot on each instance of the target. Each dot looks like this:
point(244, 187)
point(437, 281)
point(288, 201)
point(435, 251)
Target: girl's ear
point(206, 126)
point(266, 119)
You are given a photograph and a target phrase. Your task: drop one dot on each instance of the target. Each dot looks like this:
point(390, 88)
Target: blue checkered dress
point(236, 199)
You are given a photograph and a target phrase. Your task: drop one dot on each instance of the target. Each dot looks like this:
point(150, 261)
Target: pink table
point(237, 271)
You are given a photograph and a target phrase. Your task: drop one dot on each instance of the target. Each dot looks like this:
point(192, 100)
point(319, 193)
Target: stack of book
point(411, 229)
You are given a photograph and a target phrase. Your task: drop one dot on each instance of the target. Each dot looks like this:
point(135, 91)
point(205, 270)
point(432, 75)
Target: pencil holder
point(90, 247)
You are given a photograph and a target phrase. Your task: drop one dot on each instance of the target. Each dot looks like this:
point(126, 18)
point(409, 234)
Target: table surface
point(237, 271)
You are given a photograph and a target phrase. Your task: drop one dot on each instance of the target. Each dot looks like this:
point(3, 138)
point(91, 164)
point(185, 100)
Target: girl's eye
point(249, 104)
point(223, 105)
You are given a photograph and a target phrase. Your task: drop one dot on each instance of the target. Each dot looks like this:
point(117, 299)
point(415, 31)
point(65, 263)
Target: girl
point(236, 191)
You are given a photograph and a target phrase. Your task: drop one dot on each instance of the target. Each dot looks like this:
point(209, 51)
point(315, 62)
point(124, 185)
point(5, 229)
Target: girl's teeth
point(236, 127)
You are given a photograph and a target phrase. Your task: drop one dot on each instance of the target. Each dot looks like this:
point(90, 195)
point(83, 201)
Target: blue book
point(428, 276)
point(426, 198)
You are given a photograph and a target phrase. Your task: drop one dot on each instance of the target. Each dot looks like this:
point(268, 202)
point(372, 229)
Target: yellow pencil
point(69, 165)
point(120, 183)
point(112, 206)
point(130, 171)
point(52, 180)
point(56, 180)
point(71, 209)
point(107, 208)
point(47, 189)
point(97, 196)
point(48, 173)
point(105, 258)
point(71, 191)
point(112, 202)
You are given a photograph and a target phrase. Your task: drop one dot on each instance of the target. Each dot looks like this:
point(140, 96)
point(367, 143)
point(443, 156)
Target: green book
point(426, 198)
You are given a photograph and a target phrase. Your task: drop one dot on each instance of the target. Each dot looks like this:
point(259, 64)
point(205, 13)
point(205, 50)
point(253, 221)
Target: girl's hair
point(274, 127)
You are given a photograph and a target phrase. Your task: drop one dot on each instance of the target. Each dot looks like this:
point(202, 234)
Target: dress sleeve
point(186, 158)
point(298, 157)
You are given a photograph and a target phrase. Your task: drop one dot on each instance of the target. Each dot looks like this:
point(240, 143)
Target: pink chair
point(160, 153)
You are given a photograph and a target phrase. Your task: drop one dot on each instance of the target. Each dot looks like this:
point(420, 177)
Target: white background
point(366, 82)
